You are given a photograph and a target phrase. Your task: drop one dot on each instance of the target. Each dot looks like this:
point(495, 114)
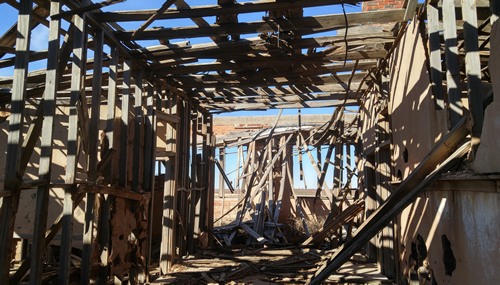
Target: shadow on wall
point(25, 217)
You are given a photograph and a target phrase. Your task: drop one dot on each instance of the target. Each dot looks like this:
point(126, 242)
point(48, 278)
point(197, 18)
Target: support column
point(88, 233)
point(77, 72)
point(45, 167)
point(169, 221)
point(9, 204)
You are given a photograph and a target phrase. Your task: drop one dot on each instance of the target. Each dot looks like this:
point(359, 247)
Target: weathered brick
point(382, 5)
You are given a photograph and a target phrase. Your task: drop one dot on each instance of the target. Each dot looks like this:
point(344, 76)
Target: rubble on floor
point(290, 265)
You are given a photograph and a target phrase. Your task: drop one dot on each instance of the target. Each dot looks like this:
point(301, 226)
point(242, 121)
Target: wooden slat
point(45, 165)
point(306, 25)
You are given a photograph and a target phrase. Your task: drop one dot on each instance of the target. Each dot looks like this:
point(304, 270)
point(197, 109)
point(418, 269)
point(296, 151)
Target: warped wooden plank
point(215, 10)
point(305, 25)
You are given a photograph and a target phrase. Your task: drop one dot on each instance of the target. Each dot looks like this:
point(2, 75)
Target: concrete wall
point(455, 225)
point(455, 222)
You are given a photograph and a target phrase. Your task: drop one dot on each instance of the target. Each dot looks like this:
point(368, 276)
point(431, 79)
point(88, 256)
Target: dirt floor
point(293, 265)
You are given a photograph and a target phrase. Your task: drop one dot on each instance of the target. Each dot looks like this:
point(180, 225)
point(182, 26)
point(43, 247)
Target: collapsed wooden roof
point(281, 60)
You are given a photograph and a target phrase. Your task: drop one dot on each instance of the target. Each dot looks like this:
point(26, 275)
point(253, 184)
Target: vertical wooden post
point(210, 175)
point(473, 69)
point(136, 154)
point(88, 234)
point(435, 55)
point(452, 62)
point(77, 71)
point(103, 223)
point(222, 161)
point(168, 237)
point(125, 106)
point(9, 204)
point(270, 187)
point(148, 173)
point(193, 224)
point(45, 166)
point(337, 178)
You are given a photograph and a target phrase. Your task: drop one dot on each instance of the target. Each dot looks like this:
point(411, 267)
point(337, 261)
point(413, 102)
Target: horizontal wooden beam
point(305, 25)
point(221, 108)
point(271, 91)
point(258, 45)
point(215, 10)
point(289, 98)
point(254, 79)
point(279, 66)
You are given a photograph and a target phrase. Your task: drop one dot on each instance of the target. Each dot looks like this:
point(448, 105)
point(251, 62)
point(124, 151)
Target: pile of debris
point(292, 265)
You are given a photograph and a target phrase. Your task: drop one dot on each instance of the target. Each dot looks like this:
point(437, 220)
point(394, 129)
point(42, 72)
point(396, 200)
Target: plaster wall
point(415, 122)
point(455, 225)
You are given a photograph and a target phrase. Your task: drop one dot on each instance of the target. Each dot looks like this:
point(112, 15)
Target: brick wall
point(382, 5)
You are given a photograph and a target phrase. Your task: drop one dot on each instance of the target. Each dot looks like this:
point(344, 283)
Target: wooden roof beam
point(216, 10)
point(305, 25)
point(207, 81)
point(301, 68)
point(221, 108)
